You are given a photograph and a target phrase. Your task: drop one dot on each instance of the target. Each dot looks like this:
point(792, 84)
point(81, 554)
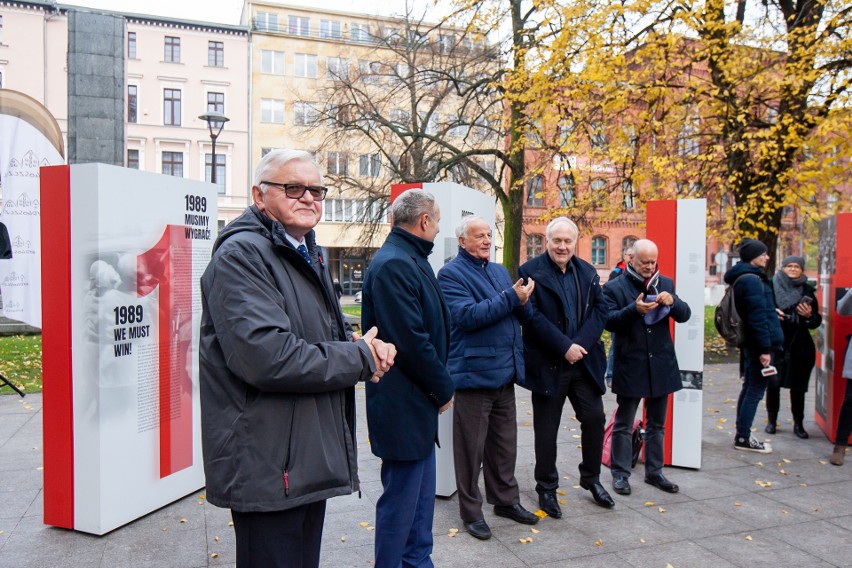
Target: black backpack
point(727, 320)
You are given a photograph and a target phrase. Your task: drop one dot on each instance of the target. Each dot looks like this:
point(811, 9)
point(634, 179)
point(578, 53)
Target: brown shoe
point(838, 455)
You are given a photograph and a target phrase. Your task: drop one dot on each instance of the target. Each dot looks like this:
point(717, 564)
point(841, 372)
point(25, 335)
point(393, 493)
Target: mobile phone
point(769, 371)
point(806, 300)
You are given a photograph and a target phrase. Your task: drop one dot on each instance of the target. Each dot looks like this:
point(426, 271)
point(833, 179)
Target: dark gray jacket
point(276, 374)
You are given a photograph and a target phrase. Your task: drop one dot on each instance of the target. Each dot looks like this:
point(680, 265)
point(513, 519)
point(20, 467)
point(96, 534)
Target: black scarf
point(648, 285)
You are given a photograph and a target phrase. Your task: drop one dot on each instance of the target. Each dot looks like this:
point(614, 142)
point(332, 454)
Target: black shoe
point(660, 482)
point(516, 513)
point(799, 430)
point(478, 529)
point(771, 428)
point(621, 485)
point(599, 494)
point(548, 503)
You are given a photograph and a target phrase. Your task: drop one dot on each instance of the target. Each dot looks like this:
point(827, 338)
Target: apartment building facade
point(175, 70)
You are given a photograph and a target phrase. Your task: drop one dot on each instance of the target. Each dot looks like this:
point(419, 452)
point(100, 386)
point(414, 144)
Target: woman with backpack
point(797, 300)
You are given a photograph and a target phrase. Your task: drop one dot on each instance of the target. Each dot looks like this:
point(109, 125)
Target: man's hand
point(780, 314)
point(383, 353)
point(447, 406)
point(644, 307)
point(524, 292)
point(575, 353)
point(765, 359)
point(665, 299)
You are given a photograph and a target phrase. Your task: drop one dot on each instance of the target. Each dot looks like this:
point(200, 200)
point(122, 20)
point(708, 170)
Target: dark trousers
point(655, 434)
point(485, 435)
point(754, 386)
point(404, 514)
point(844, 421)
point(280, 539)
point(773, 404)
point(547, 414)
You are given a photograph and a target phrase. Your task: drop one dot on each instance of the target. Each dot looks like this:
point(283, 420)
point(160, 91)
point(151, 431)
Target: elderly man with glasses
point(278, 369)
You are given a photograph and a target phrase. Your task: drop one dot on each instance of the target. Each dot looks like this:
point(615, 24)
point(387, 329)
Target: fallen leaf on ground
point(662, 510)
point(540, 514)
point(764, 484)
point(738, 504)
point(343, 538)
point(364, 524)
point(641, 541)
point(453, 532)
point(525, 540)
point(723, 420)
point(562, 501)
point(535, 531)
point(823, 462)
point(649, 503)
point(216, 539)
point(785, 460)
point(748, 537)
point(785, 511)
point(561, 492)
point(712, 411)
point(759, 464)
point(599, 542)
point(183, 521)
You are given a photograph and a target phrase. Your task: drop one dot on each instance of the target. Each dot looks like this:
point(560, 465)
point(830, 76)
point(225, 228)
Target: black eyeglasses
point(297, 190)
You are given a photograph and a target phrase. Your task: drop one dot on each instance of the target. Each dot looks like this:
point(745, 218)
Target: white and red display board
point(455, 202)
point(679, 228)
point(123, 252)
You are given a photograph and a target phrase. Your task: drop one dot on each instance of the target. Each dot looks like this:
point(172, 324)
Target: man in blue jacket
point(486, 358)
point(641, 305)
point(755, 302)
point(401, 292)
point(564, 358)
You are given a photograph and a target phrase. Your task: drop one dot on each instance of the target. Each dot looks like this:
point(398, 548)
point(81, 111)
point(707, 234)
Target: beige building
point(175, 70)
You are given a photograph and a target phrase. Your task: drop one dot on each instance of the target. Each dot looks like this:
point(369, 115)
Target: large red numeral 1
point(168, 266)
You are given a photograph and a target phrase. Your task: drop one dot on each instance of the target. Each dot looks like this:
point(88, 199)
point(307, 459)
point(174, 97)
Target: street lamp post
point(215, 123)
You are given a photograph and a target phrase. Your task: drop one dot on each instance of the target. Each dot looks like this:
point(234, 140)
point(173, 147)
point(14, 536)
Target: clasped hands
point(383, 353)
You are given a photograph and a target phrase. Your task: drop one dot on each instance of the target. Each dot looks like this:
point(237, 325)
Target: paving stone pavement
point(800, 514)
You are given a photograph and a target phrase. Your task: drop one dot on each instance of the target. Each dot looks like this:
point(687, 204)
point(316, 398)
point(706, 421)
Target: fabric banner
point(29, 139)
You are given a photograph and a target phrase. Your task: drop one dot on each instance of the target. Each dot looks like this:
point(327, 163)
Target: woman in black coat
point(796, 298)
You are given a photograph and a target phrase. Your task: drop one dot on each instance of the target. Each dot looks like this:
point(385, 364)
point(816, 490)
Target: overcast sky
point(228, 11)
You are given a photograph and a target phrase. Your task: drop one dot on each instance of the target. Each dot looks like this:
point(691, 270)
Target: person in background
point(844, 421)
point(564, 358)
point(401, 295)
point(755, 304)
point(486, 358)
point(797, 300)
point(626, 257)
point(640, 307)
point(277, 371)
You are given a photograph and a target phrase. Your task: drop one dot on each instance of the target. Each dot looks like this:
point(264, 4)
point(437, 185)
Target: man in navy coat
point(564, 358)
point(486, 358)
point(640, 306)
point(401, 292)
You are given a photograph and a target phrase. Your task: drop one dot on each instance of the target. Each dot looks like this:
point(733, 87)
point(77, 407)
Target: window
point(216, 102)
point(171, 107)
point(330, 29)
point(599, 251)
point(390, 34)
point(369, 165)
point(567, 187)
point(687, 137)
point(628, 196)
point(400, 117)
point(535, 192)
point(220, 170)
point(535, 245)
point(337, 68)
point(271, 62)
point(337, 164)
point(172, 54)
point(299, 25)
point(173, 164)
point(132, 102)
point(131, 45)
point(598, 187)
point(272, 111)
point(215, 54)
point(627, 242)
point(359, 32)
point(306, 114)
point(306, 65)
point(446, 42)
point(597, 137)
point(430, 124)
point(265, 21)
point(133, 159)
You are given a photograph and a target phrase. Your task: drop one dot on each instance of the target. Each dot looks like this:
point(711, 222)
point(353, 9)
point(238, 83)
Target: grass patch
point(352, 310)
point(20, 362)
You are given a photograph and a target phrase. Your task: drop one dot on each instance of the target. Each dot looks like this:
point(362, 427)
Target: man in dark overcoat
point(564, 358)
point(401, 292)
point(639, 307)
